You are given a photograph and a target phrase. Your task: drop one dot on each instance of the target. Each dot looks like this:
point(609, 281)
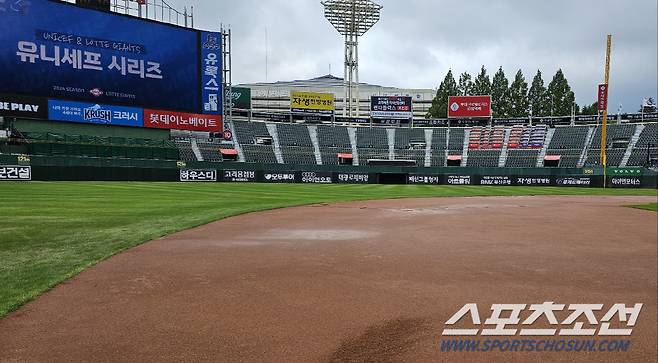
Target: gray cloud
point(416, 42)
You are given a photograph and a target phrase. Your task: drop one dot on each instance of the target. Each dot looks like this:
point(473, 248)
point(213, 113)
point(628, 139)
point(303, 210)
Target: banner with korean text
point(469, 106)
point(182, 121)
point(57, 50)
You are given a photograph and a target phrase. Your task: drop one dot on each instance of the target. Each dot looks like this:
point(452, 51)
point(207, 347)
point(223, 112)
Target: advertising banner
point(239, 176)
point(90, 113)
point(23, 106)
point(15, 173)
point(354, 120)
point(240, 97)
point(424, 179)
point(352, 178)
point(626, 171)
point(496, 180)
point(469, 106)
point(603, 97)
point(54, 49)
point(315, 177)
point(391, 107)
point(279, 177)
point(626, 182)
point(190, 175)
point(211, 73)
point(157, 119)
point(574, 181)
point(533, 181)
point(458, 180)
point(311, 102)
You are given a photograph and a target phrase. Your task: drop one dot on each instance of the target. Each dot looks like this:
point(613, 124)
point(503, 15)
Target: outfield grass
point(650, 206)
point(52, 231)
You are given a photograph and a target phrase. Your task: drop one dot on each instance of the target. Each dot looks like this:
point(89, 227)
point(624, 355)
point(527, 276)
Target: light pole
point(352, 19)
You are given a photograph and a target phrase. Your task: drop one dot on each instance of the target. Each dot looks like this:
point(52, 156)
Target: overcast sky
point(417, 41)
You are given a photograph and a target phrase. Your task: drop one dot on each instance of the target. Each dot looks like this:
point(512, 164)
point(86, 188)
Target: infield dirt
point(362, 281)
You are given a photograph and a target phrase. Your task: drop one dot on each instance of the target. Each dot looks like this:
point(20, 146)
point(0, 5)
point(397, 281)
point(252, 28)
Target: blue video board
point(57, 50)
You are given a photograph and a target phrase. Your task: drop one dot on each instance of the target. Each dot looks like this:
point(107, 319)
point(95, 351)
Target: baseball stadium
point(152, 210)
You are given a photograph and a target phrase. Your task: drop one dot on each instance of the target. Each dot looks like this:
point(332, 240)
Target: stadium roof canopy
point(326, 81)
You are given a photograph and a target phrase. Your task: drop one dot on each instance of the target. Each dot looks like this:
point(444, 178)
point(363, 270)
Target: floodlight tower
point(352, 19)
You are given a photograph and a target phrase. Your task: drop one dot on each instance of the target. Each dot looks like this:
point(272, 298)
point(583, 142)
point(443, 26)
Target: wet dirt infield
point(353, 282)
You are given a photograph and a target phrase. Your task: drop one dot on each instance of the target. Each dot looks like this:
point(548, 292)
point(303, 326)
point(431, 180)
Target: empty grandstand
point(256, 142)
point(569, 144)
point(296, 145)
point(519, 146)
point(513, 147)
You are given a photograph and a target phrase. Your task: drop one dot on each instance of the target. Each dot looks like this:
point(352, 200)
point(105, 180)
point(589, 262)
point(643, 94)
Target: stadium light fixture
point(352, 19)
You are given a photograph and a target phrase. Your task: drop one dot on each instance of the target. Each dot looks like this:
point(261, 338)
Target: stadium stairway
point(544, 149)
point(467, 135)
point(648, 137)
point(631, 145)
point(428, 147)
point(313, 132)
point(616, 133)
point(447, 151)
point(271, 128)
point(588, 144)
point(351, 131)
point(196, 151)
point(236, 143)
point(390, 133)
point(502, 160)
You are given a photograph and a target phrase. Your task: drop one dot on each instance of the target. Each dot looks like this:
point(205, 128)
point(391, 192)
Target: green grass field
point(650, 206)
point(50, 232)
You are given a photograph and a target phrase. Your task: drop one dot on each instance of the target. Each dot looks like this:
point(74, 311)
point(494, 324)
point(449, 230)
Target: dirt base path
point(365, 281)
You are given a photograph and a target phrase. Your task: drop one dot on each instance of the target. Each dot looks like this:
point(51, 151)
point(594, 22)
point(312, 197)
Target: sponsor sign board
point(533, 181)
point(240, 97)
point(15, 173)
point(315, 177)
point(626, 182)
point(626, 171)
point(574, 181)
point(91, 113)
point(352, 178)
point(423, 179)
point(239, 176)
point(311, 102)
point(182, 121)
point(279, 177)
point(194, 175)
point(495, 180)
point(23, 106)
point(458, 180)
point(469, 106)
point(391, 107)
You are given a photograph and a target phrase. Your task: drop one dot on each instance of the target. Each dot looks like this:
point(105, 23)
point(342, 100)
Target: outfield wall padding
point(49, 168)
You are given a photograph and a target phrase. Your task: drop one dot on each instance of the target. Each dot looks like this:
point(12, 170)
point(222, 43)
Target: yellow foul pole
point(604, 130)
